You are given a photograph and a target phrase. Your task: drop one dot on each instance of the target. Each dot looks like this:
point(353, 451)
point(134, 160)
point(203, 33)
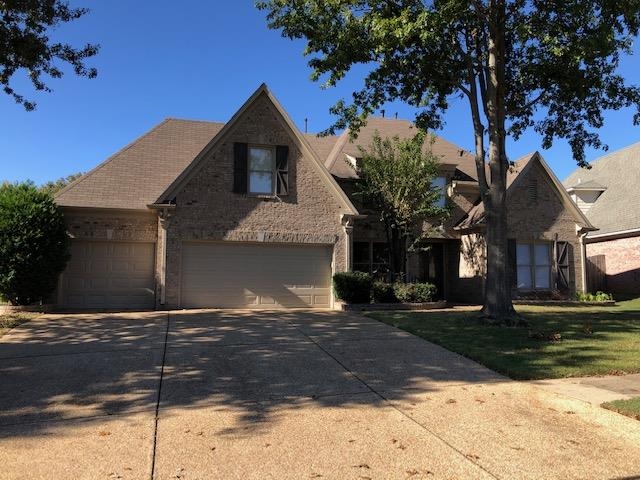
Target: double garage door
point(120, 275)
point(109, 275)
point(236, 275)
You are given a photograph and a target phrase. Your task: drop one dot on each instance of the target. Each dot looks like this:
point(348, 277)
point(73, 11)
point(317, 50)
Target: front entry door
point(433, 267)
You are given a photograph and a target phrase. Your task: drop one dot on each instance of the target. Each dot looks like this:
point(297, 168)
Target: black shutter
point(282, 170)
point(512, 262)
point(562, 265)
point(240, 167)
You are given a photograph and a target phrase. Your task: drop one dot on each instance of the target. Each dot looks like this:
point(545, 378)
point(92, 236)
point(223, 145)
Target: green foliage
point(34, 246)
point(594, 297)
point(353, 287)
point(558, 57)
point(414, 292)
point(396, 177)
point(26, 46)
point(629, 407)
point(53, 187)
point(396, 182)
point(383, 292)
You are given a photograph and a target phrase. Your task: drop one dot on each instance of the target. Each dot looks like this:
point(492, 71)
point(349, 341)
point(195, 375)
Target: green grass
point(595, 340)
point(630, 407)
point(12, 320)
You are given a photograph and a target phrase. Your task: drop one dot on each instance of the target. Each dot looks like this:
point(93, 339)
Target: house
point(608, 195)
point(254, 214)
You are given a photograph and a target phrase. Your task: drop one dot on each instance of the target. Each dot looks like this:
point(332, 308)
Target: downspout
point(583, 260)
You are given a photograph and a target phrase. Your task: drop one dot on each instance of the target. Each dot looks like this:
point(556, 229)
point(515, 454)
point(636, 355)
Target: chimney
point(305, 124)
point(382, 112)
point(396, 115)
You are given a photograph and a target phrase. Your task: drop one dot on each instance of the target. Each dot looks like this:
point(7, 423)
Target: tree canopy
point(547, 65)
point(25, 45)
point(54, 186)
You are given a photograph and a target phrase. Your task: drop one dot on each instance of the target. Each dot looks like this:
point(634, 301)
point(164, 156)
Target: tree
point(25, 44)
point(54, 186)
point(546, 65)
point(34, 246)
point(396, 182)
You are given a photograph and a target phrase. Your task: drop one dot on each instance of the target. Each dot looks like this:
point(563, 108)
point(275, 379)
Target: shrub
point(594, 297)
point(383, 293)
point(414, 292)
point(34, 246)
point(353, 287)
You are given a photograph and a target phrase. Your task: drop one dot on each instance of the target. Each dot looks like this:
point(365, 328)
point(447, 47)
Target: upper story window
point(261, 170)
point(440, 183)
point(262, 165)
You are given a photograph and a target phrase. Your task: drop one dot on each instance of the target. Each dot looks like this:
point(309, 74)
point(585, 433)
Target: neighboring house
point(608, 194)
point(255, 214)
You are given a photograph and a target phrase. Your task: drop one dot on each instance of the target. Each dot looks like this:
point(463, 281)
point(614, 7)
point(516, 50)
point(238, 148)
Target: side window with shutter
point(562, 265)
point(282, 170)
point(512, 261)
point(240, 167)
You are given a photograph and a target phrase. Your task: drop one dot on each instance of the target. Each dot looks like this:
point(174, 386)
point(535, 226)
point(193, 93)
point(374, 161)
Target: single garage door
point(109, 275)
point(241, 275)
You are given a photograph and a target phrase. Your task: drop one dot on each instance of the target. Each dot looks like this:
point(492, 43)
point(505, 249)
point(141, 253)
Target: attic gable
point(261, 95)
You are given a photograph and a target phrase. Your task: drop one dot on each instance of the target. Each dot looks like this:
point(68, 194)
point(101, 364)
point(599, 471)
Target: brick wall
point(93, 224)
point(542, 216)
point(206, 208)
point(622, 263)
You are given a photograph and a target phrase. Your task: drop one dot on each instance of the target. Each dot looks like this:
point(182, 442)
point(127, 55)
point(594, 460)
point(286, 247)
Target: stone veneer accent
point(206, 208)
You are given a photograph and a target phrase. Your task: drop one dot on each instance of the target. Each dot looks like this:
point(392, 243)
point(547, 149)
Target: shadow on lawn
point(251, 363)
point(593, 341)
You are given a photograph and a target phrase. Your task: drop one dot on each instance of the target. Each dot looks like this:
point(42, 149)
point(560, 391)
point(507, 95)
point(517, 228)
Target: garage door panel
point(109, 275)
point(250, 275)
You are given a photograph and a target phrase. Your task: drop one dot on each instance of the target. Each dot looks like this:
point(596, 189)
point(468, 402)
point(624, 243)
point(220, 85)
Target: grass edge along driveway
point(591, 341)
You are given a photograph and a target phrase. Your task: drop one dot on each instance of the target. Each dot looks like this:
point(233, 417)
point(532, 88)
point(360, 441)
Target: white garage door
point(109, 275)
point(255, 275)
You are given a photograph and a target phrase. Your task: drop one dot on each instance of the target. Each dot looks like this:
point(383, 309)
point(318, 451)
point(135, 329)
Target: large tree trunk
point(497, 304)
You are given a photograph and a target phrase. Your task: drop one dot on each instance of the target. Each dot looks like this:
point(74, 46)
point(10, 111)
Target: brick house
point(608, 195)
point(253, 213)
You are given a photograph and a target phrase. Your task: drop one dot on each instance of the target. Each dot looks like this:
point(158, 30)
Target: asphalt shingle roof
point(135, 176)
point(618, 208)
point(138, 174)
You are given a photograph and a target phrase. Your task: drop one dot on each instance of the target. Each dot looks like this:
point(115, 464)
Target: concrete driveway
point(223, 395)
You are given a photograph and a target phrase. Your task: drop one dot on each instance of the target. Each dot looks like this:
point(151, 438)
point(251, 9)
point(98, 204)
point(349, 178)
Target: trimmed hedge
point(353, 287)
point(358, 287)
point(414, 292)
point(384, 293)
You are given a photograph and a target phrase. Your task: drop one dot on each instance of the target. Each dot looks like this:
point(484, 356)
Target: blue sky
point(196, 60)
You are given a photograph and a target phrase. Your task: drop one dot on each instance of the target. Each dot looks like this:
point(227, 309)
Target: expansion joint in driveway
point(388, 402)
point(155, 422)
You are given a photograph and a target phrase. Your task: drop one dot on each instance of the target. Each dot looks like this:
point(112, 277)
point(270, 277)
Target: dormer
point(585, 194)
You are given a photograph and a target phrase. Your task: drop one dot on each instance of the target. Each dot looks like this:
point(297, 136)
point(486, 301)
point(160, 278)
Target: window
point(361, 257)
point(371, 257)
point(533, 266)
point(262, 164)
point(260, 170)
point(440, 183)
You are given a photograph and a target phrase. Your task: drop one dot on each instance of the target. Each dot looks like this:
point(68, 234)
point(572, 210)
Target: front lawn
point(12, 320)
point(593, 340)
point(630, 407)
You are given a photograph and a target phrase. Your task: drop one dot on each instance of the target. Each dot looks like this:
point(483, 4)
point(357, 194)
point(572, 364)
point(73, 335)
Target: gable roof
point(448, 152)
point(618, 208)
point(515, 176)
point(136, 175)
point(300, 140)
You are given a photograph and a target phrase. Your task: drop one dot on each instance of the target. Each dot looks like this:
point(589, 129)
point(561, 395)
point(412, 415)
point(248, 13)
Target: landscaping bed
point(358, 307)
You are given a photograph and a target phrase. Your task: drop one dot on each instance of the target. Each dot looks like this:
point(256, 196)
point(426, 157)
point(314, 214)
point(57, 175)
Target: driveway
point(278, 395)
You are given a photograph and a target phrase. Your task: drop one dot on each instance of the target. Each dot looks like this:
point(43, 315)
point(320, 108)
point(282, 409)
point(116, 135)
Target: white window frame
point(442, 200)
point(532, 264)
point(272, 171)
